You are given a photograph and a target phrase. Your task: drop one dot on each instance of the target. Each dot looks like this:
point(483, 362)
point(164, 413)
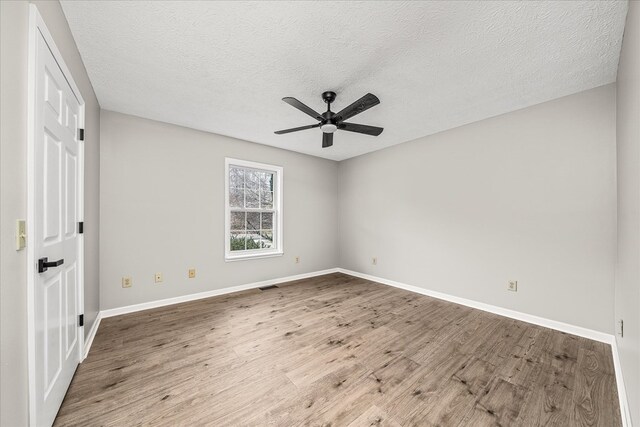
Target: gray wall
point(526, 196)
point(627, 293)
point(162, 210)
point(13, 198)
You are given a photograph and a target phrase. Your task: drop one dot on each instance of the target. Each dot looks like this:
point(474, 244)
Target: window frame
point(277, 210)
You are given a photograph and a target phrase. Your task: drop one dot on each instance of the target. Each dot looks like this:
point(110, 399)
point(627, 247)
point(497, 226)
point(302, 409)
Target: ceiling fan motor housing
point(328, 125)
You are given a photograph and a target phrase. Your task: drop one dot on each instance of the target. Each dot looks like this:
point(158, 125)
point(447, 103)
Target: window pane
point(266, 182)
point(237, 221)
point(236, 197)
point(267, 221)
point(253, 241)
point(236, 177)
point(251, 199)
point(267, 238)
point(252, 179)
point(253, 222)
point(266, 200)
point(237, 240)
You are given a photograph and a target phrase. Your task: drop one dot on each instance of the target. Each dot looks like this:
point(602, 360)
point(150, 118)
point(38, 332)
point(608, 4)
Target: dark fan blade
point(300, 106)
point(280, 132)
point(327, 140)
point(362, 104)
point(354, 127)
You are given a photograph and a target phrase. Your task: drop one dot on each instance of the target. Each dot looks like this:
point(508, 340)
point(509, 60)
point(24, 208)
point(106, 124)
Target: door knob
point(44, 264)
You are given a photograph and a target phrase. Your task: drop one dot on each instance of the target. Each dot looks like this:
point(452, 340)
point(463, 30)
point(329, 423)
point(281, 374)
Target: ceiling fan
point(330, 121)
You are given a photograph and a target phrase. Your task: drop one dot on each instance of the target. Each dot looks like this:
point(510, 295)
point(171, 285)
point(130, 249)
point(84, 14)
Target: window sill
point(245, 257)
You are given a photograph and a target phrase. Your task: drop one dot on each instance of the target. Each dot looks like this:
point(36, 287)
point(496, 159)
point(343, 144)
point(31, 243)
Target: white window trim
point(277, 203)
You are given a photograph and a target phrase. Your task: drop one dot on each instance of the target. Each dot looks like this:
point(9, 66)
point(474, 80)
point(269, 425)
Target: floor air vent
point(266, 288)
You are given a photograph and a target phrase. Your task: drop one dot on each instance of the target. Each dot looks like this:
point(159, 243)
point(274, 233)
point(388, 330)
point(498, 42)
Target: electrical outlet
point(512, 286)
point(297, 260)
point(192, 273)
point(374, 261)
point(127, 282)
point(158, 277)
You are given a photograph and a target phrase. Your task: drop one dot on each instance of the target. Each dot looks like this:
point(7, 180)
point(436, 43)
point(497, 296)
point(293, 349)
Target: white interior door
point(57, 163)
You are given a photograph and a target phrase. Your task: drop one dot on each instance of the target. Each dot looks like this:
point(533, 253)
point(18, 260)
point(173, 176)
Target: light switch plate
point(21, 234)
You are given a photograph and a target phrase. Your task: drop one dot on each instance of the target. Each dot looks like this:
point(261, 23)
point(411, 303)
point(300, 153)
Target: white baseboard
point(529, 318)
point(92, 334)
point(192, 297)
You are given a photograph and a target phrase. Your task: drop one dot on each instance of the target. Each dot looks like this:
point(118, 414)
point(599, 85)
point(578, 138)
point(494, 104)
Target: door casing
point(37, 28)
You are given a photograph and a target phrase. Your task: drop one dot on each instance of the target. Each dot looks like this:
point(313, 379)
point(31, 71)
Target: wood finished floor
point(334, 351)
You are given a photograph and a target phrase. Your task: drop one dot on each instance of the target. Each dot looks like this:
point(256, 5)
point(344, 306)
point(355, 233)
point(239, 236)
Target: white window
point(253, 215)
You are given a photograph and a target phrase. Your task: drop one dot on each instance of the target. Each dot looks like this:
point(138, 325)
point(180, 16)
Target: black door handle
point(43, 264)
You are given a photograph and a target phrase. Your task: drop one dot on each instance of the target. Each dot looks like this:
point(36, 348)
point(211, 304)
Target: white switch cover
point(21, 234)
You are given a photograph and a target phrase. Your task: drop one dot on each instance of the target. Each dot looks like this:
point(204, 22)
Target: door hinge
point(81, 227)
point(80, 134)
point(81, 320)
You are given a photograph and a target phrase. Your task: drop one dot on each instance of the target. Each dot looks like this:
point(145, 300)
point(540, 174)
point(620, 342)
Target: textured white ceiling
point(223, 67)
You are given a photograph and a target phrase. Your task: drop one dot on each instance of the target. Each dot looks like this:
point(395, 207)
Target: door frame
point(37, 28)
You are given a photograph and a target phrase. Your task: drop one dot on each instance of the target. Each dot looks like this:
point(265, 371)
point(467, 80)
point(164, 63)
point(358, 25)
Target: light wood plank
point(341, 351)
